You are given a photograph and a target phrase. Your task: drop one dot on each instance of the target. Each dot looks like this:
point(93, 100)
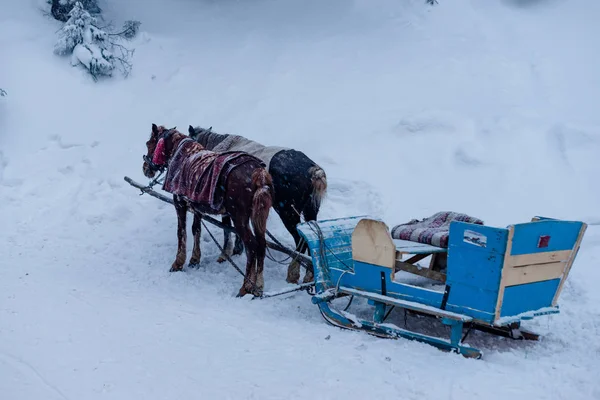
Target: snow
point(487, 108)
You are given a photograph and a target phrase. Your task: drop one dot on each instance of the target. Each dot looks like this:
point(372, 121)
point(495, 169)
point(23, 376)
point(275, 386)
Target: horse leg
point(242, 228)
point(310, 212)
point(227, 244)
point(301, 247)
point(239, 246)
point(181, 210)
point(196, 231)
point(290, 219)
point(261, 250)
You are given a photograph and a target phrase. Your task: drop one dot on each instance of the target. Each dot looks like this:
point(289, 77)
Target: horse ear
point(154, 128)
point(191, 130)
point(210, 129)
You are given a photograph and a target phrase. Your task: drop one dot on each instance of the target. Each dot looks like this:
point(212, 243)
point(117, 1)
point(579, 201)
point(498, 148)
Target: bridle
point(153, 167)
point(148, 160)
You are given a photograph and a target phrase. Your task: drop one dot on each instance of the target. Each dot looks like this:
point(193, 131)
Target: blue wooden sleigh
point(490, 278)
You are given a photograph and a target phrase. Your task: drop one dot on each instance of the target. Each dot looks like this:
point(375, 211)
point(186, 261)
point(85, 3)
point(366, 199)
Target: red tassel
point(159, 157)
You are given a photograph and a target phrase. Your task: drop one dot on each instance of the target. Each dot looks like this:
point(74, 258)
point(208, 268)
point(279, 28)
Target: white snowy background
point(485, 107)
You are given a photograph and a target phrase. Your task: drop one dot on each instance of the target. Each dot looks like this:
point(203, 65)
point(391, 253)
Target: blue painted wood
point(455, 331)
point(410, 305)
point(333, 254)
point(541, 218)
point(470, 300)
point(495, 238)
point(379, 312)
point(367, 277)
point(531, 296)
point(563, 235)
point(475, 268)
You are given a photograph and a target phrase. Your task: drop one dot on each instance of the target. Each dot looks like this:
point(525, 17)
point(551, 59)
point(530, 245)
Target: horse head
point(200, 135)
point(159, 149)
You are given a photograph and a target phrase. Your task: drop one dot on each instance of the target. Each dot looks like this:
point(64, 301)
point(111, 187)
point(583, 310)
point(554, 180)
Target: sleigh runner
point(492, 279)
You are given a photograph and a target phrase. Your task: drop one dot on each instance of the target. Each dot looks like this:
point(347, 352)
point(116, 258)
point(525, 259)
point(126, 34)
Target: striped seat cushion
point(433, 230)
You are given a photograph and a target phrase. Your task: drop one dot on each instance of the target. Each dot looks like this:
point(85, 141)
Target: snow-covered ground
point(483, 107)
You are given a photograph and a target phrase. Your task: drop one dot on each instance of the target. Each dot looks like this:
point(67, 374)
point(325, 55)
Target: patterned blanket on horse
point(219, 143)
point(434, 230)
point(200, 175)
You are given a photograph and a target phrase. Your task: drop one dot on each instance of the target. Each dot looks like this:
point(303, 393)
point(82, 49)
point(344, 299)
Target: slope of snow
point(488, 108)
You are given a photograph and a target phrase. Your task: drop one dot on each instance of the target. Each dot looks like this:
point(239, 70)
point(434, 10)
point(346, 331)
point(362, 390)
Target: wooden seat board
point(409, 247)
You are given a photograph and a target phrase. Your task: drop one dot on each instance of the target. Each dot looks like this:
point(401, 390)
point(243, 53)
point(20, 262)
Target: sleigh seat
point(424, 238)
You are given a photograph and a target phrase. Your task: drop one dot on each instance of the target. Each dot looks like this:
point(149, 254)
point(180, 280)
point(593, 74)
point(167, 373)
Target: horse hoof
point(293, 274)
point(221, 259)
point(292, 280)
point(176, 268)
point(308, 278)
point(194, 265)
point(241, 293)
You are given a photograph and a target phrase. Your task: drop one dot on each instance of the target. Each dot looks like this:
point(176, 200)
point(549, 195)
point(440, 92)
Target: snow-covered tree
point(60, 8)
point(130, 29)
point(92, 47)
point(2, 92)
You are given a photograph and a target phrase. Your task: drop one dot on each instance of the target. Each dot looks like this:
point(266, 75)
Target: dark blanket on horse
point(200, 175)
point(434, 230)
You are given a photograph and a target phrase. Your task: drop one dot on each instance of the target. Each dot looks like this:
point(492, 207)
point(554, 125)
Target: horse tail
point(319, 185)
point(262, 200)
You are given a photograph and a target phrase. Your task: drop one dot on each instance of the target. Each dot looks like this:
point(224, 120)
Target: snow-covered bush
point(92, 47)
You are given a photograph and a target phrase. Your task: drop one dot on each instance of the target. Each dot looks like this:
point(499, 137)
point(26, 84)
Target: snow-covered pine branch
point(92, 47)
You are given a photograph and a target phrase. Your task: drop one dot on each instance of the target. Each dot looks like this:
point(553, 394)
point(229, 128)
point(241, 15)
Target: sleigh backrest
point(500, 275)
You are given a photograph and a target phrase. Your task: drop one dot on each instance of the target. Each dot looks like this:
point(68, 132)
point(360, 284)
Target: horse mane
point(207, 138)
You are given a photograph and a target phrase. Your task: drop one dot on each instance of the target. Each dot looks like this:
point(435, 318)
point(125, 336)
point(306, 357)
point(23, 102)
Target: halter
point(154, 167)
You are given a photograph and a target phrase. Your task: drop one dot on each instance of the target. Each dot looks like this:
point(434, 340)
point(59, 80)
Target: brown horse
point(233, 183)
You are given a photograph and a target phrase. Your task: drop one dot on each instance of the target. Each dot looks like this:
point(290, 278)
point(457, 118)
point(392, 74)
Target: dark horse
point(235, 184)
point(299, 186)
